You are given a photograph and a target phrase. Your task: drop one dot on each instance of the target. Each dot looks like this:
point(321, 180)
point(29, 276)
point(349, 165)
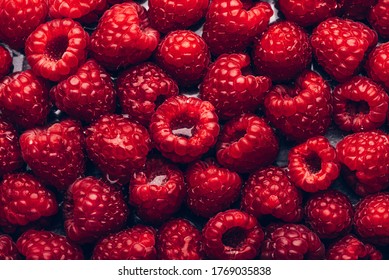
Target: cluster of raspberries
point(128, 135)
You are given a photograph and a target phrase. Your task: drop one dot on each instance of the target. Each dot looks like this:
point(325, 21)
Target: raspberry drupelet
point(5, 61)
point(8, 250)
point(10, 153)
point(377, 65)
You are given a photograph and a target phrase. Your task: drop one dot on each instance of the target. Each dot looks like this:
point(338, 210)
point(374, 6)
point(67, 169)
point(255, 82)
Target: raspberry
point(282, 52)
point(5, 61)
point(8, 250)
point(270, 192)
point(157, 191)
point(379, 19)
point(72, 8)
point(184, 128)
point(10, 154)
point(356, 9)
point(136, 243)
point(377, 65)
point(313, 165)
point(230, 90)
point(211, 189)
point(233, 235)
point(185, 56)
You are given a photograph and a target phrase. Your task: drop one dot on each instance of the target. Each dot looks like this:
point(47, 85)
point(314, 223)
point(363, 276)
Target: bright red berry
point(356, 9)
point(8, 250)
point(379, 18)
point(74, 9)
point(5, 61)
point(377, 65)
point(10, 154)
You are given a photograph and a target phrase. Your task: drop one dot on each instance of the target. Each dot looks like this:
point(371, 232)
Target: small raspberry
point(5, 62)
point(379, 18)
point(377, 65)
point(10, 154)
point(8, 250)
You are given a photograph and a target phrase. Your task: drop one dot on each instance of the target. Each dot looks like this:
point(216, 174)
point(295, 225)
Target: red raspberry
point(270, 192)
point(86, 95)
point(364, 157)
point(157, 191)
point(46, 245)
point(18, 18)
point(134, 40)
point(117, 146)
point(166, 16)
point(184, 128)
point(360, 105)
point(179, 239)
point(55, 154)
point(142, 89)
point(73, 8)
point(282, 52)
point(356, 9)
point(93, 209)
point(292, 242)
point(10, 154)
point(5, 61)
point(57, 48)
point(24, 99)
point(211, 189)
point(313, 165)
point(377, 65)
point(185, 56)
point(350, 248)
point(246, 144)
point(232, 235)
point(340, 46)
point(8, 250)
point(303, 111)
point(230, 90)
point(379, 18)
point(231, 25)
point(136, 243)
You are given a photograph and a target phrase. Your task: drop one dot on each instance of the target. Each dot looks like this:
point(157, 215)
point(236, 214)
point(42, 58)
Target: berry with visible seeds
point(379, 19)
point(10, 154)
point(377, 65)
point(5, 61)
point(8, 250)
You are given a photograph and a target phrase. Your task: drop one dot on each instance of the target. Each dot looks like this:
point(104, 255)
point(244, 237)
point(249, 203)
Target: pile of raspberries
point(128, 135)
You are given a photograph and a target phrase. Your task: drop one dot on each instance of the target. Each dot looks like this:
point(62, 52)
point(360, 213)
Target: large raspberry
point(377, 65)
point(10, 154)
point(5, 61)
point(8, 250)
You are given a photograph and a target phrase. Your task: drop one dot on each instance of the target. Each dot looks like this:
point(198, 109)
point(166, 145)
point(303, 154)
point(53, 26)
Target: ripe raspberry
point(211, 189)
point(8, 250)
point(184, 128)
point(270, 192)
point(73, 9)
point(136, 243)
point(364, 157)
point(134, 40)
point(185, 56)
point(231, 25)
point(377, 65)
point(230, 89)
point(157, 191)
point(356, 9)
point(379, 19)
point(340, 46)
point(350, 248)
point(301, 112)
point(10, 154)
point(46, 245)
point(18, 18)
point(57, 48)
point(179, 239)
point(282, 52)
point(142, 89)
point(232, 235)
point(86, 95)
point(24, 99)
point(166, 16)
point(55, 154)
point(246, 144)
point(5, 61)
point(292, 242)
point(117, 146)
point(93, 209)
point(313, 165)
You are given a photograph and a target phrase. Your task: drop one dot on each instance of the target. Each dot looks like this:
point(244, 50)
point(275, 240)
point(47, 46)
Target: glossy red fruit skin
point(341, 45)
point(230, 26)
point(231, 91)
point(166, 16)
point(184, 128)
point(5, 61)
point(157, 191)
point(117, 147)
point(46, 245)
point(313, 165)
point(93, 209)
point(86, 95)
point(8, 250)
point(74, 9)
point(10, 154)
point(179, 239)
point(269, 191)
point(142, 88)
point(136, 243)
point(364, 157)
point(18, 18)
point(360, 105)
point(55, 154)
point(379, 19)
point(376, 65)
point(184, 55)
point(134, 41)
point(282, 52)
point(246, 242)
point(356, 9)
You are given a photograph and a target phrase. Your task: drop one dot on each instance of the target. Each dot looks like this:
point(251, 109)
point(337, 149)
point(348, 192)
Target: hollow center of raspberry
point(357, 107)
point(56, 47)
point(234, 237)
point(184, 126)
point(158, 179)
point(313, 162)
point(238, 134)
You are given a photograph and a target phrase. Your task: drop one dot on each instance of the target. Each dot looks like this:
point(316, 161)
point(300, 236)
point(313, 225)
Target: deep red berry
point(232, 235)
point(5, 61)
point(230, 89)
point(379, 19)
point(356, 9)
point(246, 144)
point(136, 243)
point(282, 52)
point(377, 65)
point(8, 250)
point(184, 128)
point(74, 9)
point(10, 154)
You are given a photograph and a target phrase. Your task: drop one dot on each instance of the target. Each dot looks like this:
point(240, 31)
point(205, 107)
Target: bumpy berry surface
point(377, 65)
point(8, 250)
point(72, 8)
point(5, 61)
point(10, 154)
point(379, 18)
